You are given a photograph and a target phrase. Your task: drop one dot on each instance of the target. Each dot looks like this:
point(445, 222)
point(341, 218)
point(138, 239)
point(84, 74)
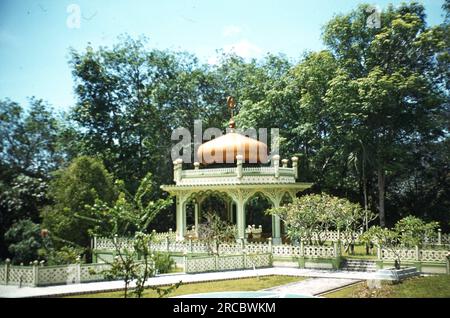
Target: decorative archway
point(238, 193)
point(255, 208)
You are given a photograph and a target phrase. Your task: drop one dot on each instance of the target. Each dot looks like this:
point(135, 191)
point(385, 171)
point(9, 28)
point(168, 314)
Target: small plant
point(214, 231)
point(163, 262)
point(310, 217)
point(408, 232)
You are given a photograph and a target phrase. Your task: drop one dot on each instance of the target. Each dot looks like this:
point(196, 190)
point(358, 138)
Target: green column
point(240, 219)
point(181, 219)
point(276, 226)
point(229, 207)
point(232, 213)
point(196, 216)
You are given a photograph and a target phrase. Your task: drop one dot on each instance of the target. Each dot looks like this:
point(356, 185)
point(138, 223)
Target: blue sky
point(35, 35)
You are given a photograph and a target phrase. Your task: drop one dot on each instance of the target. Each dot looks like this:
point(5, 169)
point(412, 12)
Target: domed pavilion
point(235, 168)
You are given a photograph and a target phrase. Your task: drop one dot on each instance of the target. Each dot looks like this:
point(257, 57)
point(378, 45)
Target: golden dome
point(224, 149)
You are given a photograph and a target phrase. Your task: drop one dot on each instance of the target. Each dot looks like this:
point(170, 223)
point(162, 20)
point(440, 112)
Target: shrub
point(25, 240)
point(163, 262)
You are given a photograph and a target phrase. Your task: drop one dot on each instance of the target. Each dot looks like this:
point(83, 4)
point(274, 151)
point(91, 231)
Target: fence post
point(35, 274)
point(379, 253)
point(302, 248)
point(270, 245)
point(78, 264)
point(242, 245)
point(417, 253)
point(95, 242)
point(439, 237)
point(447, 258)
point(185, 261)
point(167, 243)
point(7, 268)
point(190, 245)
point(335, 248)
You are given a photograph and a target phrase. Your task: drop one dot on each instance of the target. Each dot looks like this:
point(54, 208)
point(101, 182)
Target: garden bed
point(396, 275)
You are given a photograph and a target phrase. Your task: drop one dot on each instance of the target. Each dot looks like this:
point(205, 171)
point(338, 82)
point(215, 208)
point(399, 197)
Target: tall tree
point(73, 189)
point(129, 101)
point(28, 139)
point(399, 103)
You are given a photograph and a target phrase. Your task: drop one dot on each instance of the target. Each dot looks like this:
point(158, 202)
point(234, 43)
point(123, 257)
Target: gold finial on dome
point(231, 103)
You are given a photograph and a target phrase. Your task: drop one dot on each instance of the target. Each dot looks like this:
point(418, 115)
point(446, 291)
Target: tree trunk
point(381, 193)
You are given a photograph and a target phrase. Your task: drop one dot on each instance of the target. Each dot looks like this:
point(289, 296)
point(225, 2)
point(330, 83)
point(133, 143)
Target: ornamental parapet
point(274, 174)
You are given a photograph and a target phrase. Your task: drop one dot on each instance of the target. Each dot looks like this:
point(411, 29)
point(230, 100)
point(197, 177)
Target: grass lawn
point(417, 287)
point(360, 253)
point(244, 284)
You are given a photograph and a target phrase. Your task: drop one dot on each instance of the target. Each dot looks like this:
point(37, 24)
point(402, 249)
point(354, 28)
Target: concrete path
point(61, 290)
point(313, 286)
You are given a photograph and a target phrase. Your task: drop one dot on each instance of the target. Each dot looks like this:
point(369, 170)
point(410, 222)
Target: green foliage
point(129, 213)
point(310, 216)
point(215, 231)
point(407, 233)
point(82, 183)
point(368, 118)
point(130, 100)
point(413, 231)
point(65, 255)
point(29, 151)
point(25, 241)
point(28, 140)
point(138, 265)
point(21, 198)
point(163, 262)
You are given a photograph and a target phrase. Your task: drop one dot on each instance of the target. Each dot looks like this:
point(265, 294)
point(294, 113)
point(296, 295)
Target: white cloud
point(231, 30)
point(243, 48)
point(213, 60)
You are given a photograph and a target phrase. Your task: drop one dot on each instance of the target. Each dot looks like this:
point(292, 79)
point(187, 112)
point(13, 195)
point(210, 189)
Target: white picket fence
point(39, 275)
point(439, 239)
point(199, 247)
point(201, 264)
point(416, 254)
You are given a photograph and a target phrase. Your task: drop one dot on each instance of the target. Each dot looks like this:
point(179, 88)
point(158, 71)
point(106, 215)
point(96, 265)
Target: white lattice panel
point(21, 274)
point(159, 247)
point(162, 236)
point(433, 255)
point(318, 251)
point(178, 247)
point(253, 248)
point(445, 239)
point(282, 250)
point(198, 247)
point(230, 262)
point(92, 272)
point(404, 254)
point(258, 260)
point(200, 264)
point(230, 248)
point(64, 274)
point(103, 243)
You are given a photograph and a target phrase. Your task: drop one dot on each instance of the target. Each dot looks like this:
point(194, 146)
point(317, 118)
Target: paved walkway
point(313, 286)
point(60, 290)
